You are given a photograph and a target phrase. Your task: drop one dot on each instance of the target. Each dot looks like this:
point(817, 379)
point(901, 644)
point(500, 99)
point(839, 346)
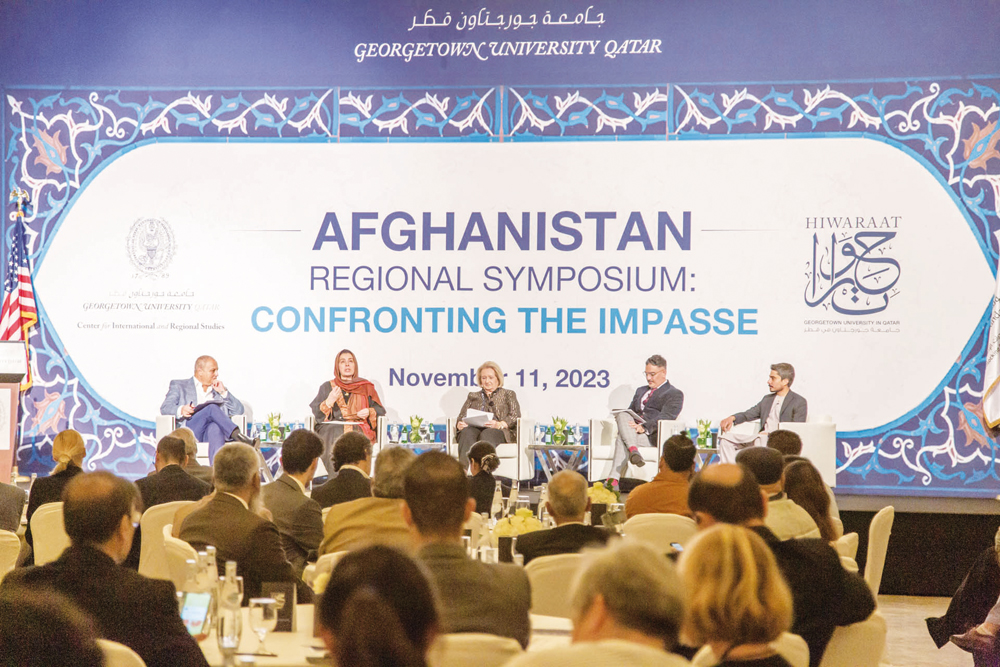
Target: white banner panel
point(723, 256)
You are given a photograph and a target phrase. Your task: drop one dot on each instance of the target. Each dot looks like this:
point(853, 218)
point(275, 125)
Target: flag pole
point(21, 199)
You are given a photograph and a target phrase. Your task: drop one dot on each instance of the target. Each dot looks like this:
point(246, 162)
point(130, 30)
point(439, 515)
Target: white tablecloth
point(293, 647)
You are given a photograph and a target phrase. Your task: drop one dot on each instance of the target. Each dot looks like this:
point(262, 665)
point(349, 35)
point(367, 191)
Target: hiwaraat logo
point(852, 272)
point(150, 245)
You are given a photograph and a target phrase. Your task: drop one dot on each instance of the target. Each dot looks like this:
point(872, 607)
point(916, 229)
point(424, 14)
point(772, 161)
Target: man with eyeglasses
point(655, 400)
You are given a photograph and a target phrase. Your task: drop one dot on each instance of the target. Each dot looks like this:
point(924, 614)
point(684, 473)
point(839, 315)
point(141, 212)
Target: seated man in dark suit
point(298, 517)
point(352, 457)
point(170, 481)
point(667, 493)
point(100, 513)
point(824, 594)
point(238, 534)
point(474, 596)
point(568, 502)
point(655, 400)
point(192, 467)
point(12, 501)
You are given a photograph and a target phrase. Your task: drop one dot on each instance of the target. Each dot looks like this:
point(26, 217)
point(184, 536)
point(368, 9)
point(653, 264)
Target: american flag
point(19, 312)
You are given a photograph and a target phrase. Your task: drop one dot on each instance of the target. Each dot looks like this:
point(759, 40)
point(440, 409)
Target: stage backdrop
point(566, 232)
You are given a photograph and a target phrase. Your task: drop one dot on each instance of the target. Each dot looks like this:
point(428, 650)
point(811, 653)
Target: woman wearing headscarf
point(345, 398)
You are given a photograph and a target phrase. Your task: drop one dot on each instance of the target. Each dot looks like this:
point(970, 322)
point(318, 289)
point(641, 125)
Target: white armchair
point(601, 449)
point(516, 462)
point(167, 424)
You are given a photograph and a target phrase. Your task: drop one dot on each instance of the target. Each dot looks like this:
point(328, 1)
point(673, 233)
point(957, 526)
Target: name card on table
point(284, 593)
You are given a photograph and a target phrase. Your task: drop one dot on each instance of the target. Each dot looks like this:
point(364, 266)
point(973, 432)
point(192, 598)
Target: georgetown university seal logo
point(150, 245)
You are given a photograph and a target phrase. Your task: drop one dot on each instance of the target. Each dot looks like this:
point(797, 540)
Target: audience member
point(376, 520)
point(193, 467)
point(378, 610)
point(68, 451)
point(483, 460)
point(785, 518)
point(298, 517)
point(239, 534)
point(100, 513)
point(475, 596)
point(627, 610)
point(834, 510)
point(804, 486)
point(170, 482)
point(12, 500)
point(737, 602)
point(824, 595)
point(667, 492)
point(972, 621)
point(787, 442)
point(41, 629)
point(352, 458)
point(567, 504)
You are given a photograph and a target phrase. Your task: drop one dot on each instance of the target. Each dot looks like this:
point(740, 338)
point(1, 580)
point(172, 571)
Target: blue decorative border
point(56, 140)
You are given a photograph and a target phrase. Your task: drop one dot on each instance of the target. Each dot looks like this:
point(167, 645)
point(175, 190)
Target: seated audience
point(627, 610)
point(41, 629)
point(239, 534)
point(567, 504)
point(193, 468)
point(737, 602)
point(784, 517)
point(298, 517)
point(68, 451)
point(170, 482)
point(804, 486)
point(667, 492)
point(375, 520)
point(100, 513)
point(352, 459)
point(790, 445)
point(12, 500)
point(824, 595)
point(378, 610)
point(474, 596)
point(483, 460)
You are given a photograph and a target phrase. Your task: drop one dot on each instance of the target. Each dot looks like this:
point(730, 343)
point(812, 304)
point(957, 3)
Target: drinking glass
point(263, 619)
point(430, 432)
point(523, 503)
point(393, 433)
point(423, 432)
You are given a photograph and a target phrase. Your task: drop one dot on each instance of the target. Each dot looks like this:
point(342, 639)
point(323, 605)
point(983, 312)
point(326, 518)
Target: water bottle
point(497, 508)
point(229, 626)
point(13, 476)
point(512, 500)
point(543, 497)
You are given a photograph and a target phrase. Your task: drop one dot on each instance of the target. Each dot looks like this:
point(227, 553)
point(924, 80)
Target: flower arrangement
point(558, 430)
point(274, 427)
point(605, 493)
point(521, 522)
point(415, 423)
point(704, 432)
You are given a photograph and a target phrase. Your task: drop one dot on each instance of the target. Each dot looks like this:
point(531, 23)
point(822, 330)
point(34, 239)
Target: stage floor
point(908, 644)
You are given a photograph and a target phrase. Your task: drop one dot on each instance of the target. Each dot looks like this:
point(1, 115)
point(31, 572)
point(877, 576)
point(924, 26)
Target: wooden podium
point(13, 366)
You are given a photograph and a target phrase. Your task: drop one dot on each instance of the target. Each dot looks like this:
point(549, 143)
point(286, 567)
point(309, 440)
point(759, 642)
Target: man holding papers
point(501, 413)
point(655, 400)
point(203, 404)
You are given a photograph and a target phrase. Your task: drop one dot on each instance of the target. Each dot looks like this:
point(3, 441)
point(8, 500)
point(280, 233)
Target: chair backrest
point(878, 545)
point(119, 655)
point(551, 578)
point(792, 648)
point(857, 645)
point(326, 563)
point(10, 548)
point(178, 552)
point(325, 512)
point(659, 530)
point(472, 648)
point(48, 533)
point(847, 545)
point(152, 558)
point(475, 524)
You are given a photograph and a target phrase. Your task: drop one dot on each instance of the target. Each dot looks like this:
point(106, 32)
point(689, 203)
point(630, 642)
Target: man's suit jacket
point(824, 594)
point(182, 392)
point(349, 484)
point(358, 523)
point(127, 607)
point(793, 409)
point(170, 484)
point(12, 501)
point(242, 536)
point(569, 538)
point(665, 402)
point(298, 517)
point(198, 471)
point(479, 597)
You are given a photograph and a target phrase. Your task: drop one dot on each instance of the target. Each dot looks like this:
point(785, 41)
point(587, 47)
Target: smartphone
point(194, 613)
point(678, 547)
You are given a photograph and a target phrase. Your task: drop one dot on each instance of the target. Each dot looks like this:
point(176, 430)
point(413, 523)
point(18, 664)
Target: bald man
point(568, 503)
point(100, 512)
point(824, 594)
point(204, 404)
